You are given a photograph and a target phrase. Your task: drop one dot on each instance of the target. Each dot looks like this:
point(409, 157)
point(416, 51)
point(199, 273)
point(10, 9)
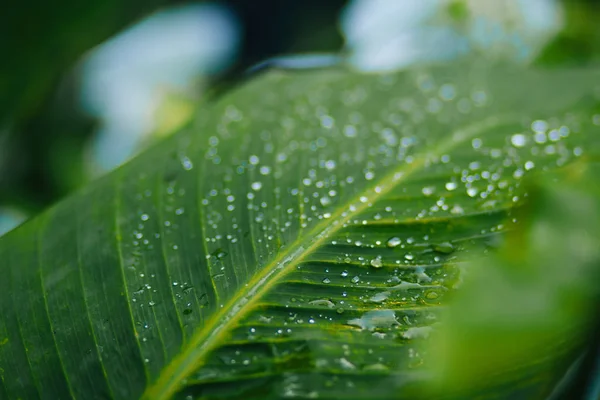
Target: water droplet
point(322, 302)
point(264, 170)
point(457, 210)
point(219, 254)
point(417, 332)
point(445, 247)
point(380, 297)
point(375, 319)
point(432, 295)
point(256, 186)
point(472, 192)
point(327, 121)
point(254, 160)
point(325, 201)
point(350, 131)
point(539, 126)
point(326, 280)
point(144, 217)
point(376, 262)
point(376, 367)
point(347, 365)
point(330, 164)
point(518, 140)
point(450, 186)
point(356, 279)
point(186, 163)
point(393, 242)
point(428, 190)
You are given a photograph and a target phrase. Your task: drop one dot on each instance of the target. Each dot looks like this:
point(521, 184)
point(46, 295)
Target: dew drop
point(518, 140)
point(349, 131)
point(376, 368)
point(376, 262)
point(432, 295)
point(322, 302)
point(393, 242)
point(472, 192)
point(445, 248)
point(256, 186)
point(186, 163)
point(380, 297)
point(325, 201)
point(347, 365)
point(450, 186)
point(428, 190)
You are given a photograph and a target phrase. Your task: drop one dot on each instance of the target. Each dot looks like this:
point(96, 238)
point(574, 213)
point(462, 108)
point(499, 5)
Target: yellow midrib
point(205, 340)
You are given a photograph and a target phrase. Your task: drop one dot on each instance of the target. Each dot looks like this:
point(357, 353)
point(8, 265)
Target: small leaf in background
point(527, 310)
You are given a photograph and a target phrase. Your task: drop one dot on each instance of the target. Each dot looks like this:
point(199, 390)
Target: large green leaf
point(296, 241)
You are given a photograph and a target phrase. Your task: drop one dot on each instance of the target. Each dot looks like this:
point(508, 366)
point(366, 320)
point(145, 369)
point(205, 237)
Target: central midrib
point(205, 340)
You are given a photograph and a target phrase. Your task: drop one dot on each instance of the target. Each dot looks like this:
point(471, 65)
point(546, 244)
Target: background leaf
point(297, 240)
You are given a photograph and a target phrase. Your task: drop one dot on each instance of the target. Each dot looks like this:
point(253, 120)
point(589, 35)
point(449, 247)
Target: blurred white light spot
point(392, 34)
point(124, 79)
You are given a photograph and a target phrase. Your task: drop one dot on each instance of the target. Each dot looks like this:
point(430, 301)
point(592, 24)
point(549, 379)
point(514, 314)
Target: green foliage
point(298, 240)
point(545, 274)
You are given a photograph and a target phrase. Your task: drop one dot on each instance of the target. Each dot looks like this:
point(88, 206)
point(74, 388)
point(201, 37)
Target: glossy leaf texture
point(298, 240)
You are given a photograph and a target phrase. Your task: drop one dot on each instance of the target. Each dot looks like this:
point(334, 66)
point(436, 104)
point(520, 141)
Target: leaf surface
point(298, 240)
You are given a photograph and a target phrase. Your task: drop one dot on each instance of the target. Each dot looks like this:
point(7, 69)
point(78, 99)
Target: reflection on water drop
point(375, 319)
point(428, 190)
point(445, 248)
point(376, 262)
point(380, 297)
point(186, 163)
point(256, 186)
point(346, 365)
point(417, 332)
point(472, 192)
point(393, 242)
point(376, 368)
point(322, 302)
point(450, 186)
point(518, 140)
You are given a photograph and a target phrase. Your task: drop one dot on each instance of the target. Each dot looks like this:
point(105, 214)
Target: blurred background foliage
point(86, 85)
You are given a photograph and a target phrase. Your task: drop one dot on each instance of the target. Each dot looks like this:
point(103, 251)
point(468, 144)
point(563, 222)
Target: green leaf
point(297, 240)
point(533, 306)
